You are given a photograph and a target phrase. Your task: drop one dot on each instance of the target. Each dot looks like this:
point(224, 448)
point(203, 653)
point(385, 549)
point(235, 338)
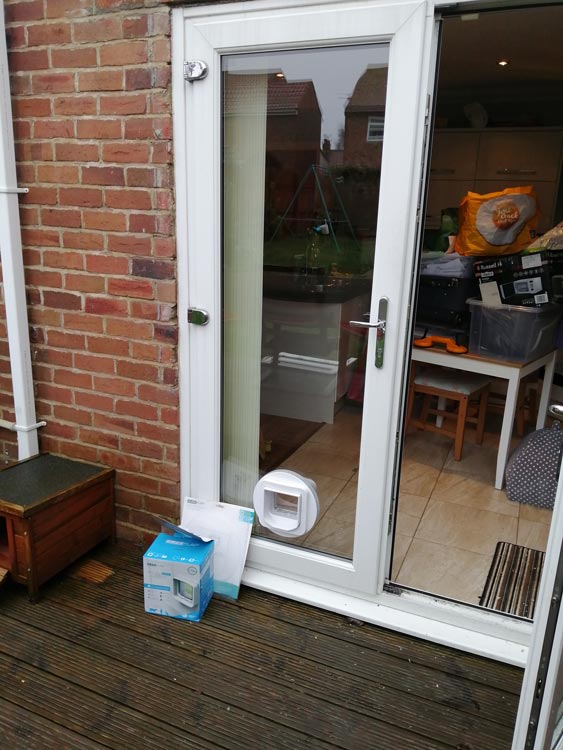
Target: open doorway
point(498, 125)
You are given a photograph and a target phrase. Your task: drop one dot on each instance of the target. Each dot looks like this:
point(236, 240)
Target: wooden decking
point(85, 668)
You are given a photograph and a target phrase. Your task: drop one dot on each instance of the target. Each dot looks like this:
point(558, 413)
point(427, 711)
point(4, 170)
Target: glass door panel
point(303, 135)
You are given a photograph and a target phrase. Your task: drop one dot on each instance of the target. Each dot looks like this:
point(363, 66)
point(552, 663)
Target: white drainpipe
point(12, 272)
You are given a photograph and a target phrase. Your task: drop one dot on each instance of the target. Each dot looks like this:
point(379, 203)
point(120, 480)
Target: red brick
point(103, 345)
point(55, 356)
point(23, 11)
point(38, 277)
point(16, 37)
point(107, 264)
point(53, 129)
point(41, 195)
point(159, 23)
point(62, 300)
point(137, 79)
point(170, 416)
point(160, 50)
point(146, 351)
point(36, 59)
point(139, 199)
point(137, 409)
point(111, 422)
point(63, 340)
point(82, 322)
point(98, 128)
point(75, 450)
point(40, 237)
point(86, 283)
point(130, 328)
point(73, 379)
point(100, 80)
point(77, 152)
point(136, 27)
point(157, 395)
point(48, 33)
point(159, 103)
point(88, 197)
point(137, 371)
point(143, 448)
point(22, 129)
point(117, 386)
point(123, 461)
point(148, 127)
point(131, 288)
point(60, 217)
point(56, 429)
point(94, 364)
point(136, 481)
point(82, 57)
point(157, 432)
point(160, 469)
point(73, 415)
point(64, 175)
point(128, 153)
point(68, 8)
point(83, 240)
point(25, 173)
point(53, 393)
point(34, 151)
point(20, 84)
point(94, 401)
point(96, 437)
point(29, 216)
point(146, 310)
point(161, 77)
point(141, 177)
point(52, 83)
point(105, 306)
point(123, 104)
point(97, 30)
point(129, 244)
point(103, 176)
point(110, 221)
point(49, 319)
point(75, 105)
point(124, 53)
point(62, 259)
point(31, 107)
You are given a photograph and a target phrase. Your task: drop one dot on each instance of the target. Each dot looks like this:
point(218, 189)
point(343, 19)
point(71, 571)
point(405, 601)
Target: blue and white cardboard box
point(178, 575)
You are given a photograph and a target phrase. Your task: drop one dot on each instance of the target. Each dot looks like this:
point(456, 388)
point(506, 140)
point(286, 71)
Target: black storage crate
point(443, 300)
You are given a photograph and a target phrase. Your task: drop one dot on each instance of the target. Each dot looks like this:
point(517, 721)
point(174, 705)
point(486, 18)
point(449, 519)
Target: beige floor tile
point(478, 461)
point(313, 458)
point(417, 478)
point(413, 505)
point(532, 534)
point(531, 513)
point(400, 549)
point(445, 571)
point(465, 528)
point(426, 448)
point(472, 492)
point(334, 533)
point(343, 435)
point(406, 524)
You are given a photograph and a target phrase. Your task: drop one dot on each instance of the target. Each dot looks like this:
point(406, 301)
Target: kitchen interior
point(498, 125)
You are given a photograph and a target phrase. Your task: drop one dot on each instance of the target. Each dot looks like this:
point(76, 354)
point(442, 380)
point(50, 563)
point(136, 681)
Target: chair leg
point(460, 427)
point(483, 401)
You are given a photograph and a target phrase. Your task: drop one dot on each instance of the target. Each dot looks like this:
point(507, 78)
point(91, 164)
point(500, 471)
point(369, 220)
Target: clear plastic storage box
point(512, 333)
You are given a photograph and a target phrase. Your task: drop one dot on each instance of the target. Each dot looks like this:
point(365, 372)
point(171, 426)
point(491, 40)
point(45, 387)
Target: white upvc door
point(539, 724)
point(242, 45)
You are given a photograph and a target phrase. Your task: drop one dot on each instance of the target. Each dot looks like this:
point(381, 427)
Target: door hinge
point(195, 70)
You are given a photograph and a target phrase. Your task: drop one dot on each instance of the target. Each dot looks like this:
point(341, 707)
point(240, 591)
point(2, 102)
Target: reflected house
point(293, 139)
point(363, 145)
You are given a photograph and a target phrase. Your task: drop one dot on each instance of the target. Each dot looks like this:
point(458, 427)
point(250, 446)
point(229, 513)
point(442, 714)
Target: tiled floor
point(450, 516)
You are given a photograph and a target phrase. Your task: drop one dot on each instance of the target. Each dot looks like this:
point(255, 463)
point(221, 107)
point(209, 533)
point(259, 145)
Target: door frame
point(422, 615)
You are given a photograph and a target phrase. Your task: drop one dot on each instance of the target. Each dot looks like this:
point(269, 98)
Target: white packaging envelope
point(230, 527)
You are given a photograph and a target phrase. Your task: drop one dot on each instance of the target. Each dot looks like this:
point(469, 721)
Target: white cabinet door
point(281, 193)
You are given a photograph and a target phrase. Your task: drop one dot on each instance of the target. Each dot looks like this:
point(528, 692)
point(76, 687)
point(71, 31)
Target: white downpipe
point(12, 270)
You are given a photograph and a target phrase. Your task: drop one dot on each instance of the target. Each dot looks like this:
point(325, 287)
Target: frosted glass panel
point(303, 139)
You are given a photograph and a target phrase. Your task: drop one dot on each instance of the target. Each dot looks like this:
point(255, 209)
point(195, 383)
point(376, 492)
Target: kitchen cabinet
point(488, 160)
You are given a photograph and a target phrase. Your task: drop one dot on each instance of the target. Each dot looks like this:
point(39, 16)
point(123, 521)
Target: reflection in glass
point(302, 145)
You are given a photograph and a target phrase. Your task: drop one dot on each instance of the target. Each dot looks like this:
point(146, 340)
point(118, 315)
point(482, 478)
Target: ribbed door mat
point(513, 580)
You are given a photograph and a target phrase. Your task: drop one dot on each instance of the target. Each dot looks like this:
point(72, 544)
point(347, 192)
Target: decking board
point(263, 672)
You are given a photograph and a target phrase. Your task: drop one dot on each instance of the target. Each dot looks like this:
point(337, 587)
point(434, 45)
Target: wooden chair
point(448, 386)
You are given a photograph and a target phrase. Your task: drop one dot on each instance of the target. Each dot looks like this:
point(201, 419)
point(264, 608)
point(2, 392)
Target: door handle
point(198, 317)
point(380, 325)
point(556, 410)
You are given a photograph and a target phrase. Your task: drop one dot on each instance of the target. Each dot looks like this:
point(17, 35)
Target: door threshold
point(412, 614)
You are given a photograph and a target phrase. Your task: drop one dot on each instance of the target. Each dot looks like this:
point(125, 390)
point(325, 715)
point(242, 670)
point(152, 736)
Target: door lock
point(198, 317)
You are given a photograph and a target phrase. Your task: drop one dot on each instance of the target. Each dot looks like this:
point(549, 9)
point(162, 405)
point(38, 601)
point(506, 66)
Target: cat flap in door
point(286, 503)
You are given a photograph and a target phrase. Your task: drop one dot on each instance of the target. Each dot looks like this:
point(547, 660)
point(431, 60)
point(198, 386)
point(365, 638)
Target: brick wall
point(92, 120)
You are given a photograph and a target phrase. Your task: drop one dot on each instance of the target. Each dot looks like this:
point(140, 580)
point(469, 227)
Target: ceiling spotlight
point(502, 63)
point(280, 75)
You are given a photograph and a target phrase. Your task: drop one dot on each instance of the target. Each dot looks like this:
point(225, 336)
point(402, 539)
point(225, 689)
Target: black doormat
point(513, 580)
point(282, 436)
